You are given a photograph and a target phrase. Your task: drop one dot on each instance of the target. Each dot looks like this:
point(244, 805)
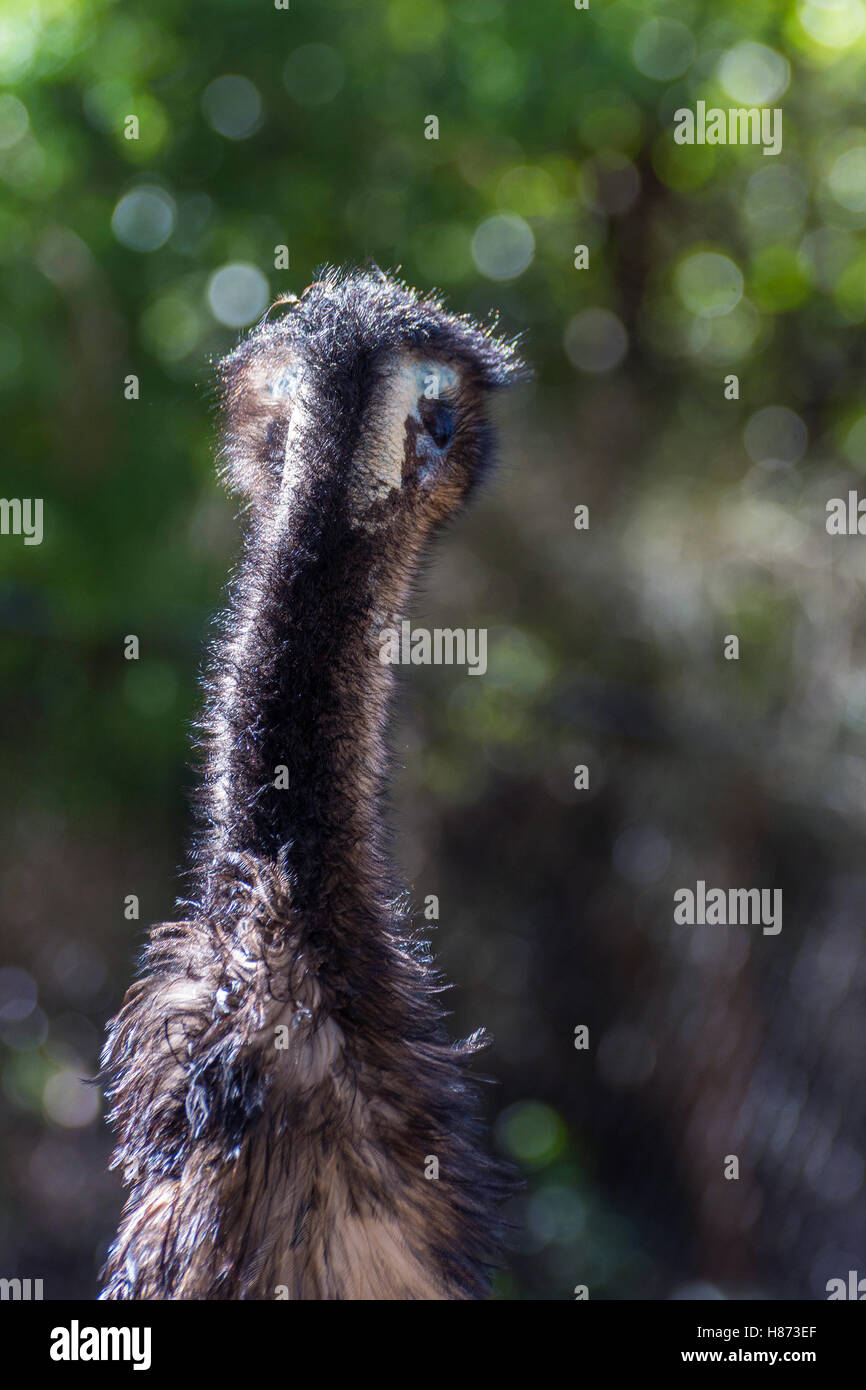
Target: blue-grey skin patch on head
point(285, 386)
point(413, 394)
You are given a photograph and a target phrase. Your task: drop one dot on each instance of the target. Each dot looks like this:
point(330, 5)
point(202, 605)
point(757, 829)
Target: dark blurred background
point(305, 128)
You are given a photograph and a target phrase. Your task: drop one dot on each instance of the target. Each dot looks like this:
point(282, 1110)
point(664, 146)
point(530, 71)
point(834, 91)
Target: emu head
point(365, 404)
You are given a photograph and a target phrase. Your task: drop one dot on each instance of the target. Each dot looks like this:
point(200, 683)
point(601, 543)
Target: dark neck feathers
point(281, 1078)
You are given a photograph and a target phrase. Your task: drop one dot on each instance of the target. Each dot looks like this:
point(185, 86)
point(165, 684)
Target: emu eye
point(439, 421)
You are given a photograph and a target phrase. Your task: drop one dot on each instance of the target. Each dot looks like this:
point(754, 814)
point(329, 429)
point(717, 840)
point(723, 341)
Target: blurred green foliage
point(305, 128)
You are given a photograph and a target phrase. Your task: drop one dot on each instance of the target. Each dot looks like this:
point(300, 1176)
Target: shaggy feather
point(280, 1075)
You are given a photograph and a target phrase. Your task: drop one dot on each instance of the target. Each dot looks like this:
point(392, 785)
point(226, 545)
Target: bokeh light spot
point(14, 120)
point(233, 106)
point(69, 1101)
point(595, 341)
point(775, 202)
point(532, 1133)
point(753, 74)
point(171, 327)
point(237, 294)
point(832, 23)
point(503, 246)
point(775, 435)
point(17, 995)
point(641, 854)
point(848, 179)
point(528, 191)
point(780, 278)
point(663, 48)
point(18, 44)
point(709, 284)
point(413, 27)
point(143, 220)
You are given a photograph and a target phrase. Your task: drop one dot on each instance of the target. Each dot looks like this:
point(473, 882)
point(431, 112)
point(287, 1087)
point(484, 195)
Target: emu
point(280, 1076)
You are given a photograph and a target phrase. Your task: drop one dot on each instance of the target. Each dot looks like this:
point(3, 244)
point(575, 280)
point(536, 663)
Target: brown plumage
point(280, 1076)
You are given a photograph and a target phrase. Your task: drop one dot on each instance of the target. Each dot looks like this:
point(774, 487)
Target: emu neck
point(298, 713)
